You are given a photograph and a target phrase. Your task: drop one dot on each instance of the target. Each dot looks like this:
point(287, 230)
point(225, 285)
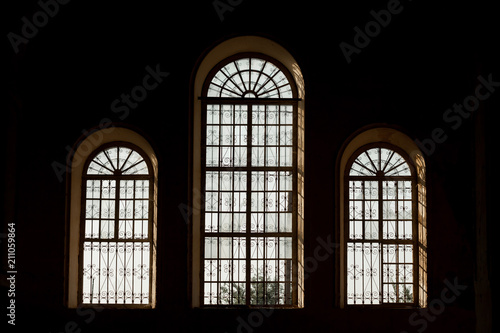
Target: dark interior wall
point(63, 81)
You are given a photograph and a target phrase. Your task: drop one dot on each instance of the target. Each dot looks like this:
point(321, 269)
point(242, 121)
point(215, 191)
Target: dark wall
point(65, 77)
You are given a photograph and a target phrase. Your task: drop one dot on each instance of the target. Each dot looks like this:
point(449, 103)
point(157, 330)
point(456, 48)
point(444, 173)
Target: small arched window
point(116, 235)
point(383, 222)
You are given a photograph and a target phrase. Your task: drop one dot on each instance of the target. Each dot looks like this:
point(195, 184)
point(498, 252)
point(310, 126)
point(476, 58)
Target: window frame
point(250, 102)
point(206, 62)
point(76, 160)
point(118, 178)
point(396, 136)
point(414, 204)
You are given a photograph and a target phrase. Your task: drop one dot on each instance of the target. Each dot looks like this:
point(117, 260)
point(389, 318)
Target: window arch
point(245, 235)
point(250, 76)
point(112, 221)
point(383, 221)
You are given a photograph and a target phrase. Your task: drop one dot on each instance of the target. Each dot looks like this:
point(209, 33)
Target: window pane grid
point(380, 240)
point(116, 239)
point(226, 136)
point(225, 272)
point(245, 199)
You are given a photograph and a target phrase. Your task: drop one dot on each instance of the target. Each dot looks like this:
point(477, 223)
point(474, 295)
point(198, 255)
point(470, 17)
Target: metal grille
point(250, 77)
point(116, 229)
point(381, 228)
point(249, 178)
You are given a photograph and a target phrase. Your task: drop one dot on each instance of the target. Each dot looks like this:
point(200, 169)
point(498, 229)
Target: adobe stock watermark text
point(39, 19)
point(363, 37)
point(11, 273)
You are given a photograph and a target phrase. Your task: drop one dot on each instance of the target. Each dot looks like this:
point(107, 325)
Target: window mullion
point(380, 237)
point(249, 205)
point(107, 268)
point(117, 209)
point(233, 175)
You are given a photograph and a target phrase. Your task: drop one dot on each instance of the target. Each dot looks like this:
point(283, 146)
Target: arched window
point(251, 185)
point(112, 221)
point(384, 232)
point(116, 234)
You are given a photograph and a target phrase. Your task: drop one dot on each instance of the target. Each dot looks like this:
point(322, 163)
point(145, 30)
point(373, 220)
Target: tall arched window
point(251, 184)
point(116, 233)
point(112, 221)
point(384, 232)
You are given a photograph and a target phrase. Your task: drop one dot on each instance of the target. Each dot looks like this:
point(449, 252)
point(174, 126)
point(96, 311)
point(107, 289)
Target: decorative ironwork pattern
point(118, 160)
point(249, 181)
point(381, 234)
point(116, 228)
point(380, 161)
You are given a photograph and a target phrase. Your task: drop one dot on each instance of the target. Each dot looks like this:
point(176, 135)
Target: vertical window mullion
point(266, 178)
point(117, 215)
point(249, 205)
point(231, 261)
point(363, 259)
point(380, 202)
point(398, 244)
point(107, 252)
point(133, 245)
point(220, 240)
point(117, 207)
point(267, 195)
point(116, 236)
point(277, 281)
point(219, 203)
point(100, 245)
